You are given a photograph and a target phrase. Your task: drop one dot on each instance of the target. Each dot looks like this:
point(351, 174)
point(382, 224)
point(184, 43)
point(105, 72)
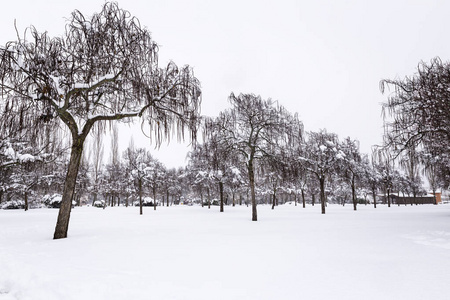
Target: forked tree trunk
point(62, 224)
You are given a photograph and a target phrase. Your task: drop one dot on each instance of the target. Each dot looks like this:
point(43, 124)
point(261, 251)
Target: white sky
point(323, 59)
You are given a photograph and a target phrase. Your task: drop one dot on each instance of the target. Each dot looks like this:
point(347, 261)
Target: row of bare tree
point(104, 68)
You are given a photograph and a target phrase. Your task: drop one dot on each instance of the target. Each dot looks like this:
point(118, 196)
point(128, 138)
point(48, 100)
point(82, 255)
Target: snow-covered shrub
point(146, 201)
point(99, 203)
point(53, 201)
point(13, 204)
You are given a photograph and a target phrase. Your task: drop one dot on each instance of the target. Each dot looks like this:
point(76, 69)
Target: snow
point(10, 153)
point(183, 252)
point(80, 85)
point(27, 158)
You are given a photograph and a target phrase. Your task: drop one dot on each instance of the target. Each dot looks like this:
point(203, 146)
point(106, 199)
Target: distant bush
point(13, 204)
point(52, 201)
point(146, 201)
point(214, 202)
point(99, 203)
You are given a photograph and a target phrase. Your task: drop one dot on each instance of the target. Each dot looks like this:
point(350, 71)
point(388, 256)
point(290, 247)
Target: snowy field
point(195, 253)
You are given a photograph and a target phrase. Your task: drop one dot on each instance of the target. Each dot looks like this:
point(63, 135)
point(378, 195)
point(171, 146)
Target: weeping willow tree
point(254, 129)
point(417, 114)
point(103, 68)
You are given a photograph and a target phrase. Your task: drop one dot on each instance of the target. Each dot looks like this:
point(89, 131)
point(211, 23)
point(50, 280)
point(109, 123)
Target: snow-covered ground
point(194, 253)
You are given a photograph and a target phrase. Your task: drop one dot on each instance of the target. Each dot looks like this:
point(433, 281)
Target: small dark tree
point(104, 67)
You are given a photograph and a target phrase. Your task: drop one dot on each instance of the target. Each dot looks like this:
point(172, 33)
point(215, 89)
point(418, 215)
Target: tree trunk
point(251, 177)
point(209, 199)
point(62, 224)
point(26, 201)
point(154, 198)
point(140, 195)
point(389, 197)
point(234, 203)
point(374, 194)
point(313, 200)
point(94, 198)
point(221, 195)
point(354, 194)
point(303, 199)
point(322, 193)
point(273, 200)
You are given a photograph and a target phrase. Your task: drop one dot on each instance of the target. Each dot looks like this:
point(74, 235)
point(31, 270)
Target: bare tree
point(104, 67)
point(419, 111)
point(321, 158)
point(251, 128)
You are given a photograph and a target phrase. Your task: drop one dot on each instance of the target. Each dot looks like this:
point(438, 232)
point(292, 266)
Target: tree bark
point(389, 197)
point(303, 199)
point(374, 194)
point(354, 194)
point(209, 199)
point(221, 195)
point(154, 198)
point(273, 200)
point(26, 201)
point(62, 224)
point(251, 176)
point(140, 195)
point(322, 193)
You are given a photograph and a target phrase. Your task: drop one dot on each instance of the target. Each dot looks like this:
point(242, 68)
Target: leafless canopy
point(103, 68)
point(419, 106)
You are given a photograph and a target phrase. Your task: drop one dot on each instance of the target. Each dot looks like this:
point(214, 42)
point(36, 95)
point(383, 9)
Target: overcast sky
point(323, 59)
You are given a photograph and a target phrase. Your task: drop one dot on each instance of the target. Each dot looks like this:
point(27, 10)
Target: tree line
point(254, 152)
